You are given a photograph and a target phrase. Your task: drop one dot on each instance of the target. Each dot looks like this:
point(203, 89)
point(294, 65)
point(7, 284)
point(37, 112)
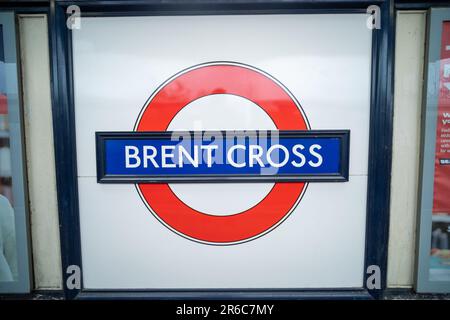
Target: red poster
point(441, 198)
point(3, 104)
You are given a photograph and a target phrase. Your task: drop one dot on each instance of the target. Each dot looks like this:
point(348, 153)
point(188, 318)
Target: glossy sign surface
point(304, 235)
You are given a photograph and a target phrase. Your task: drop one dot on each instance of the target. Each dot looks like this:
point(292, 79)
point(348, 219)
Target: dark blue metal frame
point(380, 147)
point(380, 134)
point(419, 4)
point(25, 6)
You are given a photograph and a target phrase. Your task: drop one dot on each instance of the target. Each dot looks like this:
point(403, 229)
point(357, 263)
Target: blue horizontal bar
point(223, 154)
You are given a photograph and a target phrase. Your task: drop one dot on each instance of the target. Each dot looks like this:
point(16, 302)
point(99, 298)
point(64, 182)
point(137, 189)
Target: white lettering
point(255, 156)
point(230, 156)
point(298, 154)
point(193, 160)
point(134, 155)
point(150, 156)
point(209, 150)
point(319, 158)
point(166, 155)
point(269, 155)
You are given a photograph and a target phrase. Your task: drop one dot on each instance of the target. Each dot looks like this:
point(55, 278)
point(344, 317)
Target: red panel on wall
point(3, 104)
point(441, 197)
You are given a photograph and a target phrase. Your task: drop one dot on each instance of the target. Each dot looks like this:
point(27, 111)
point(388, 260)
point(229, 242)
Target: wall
point(409, 57)
point(410, 38)
point(35, 70)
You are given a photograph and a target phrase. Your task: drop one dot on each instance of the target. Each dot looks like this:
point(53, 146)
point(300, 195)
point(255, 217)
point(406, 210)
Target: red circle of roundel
point(201, 81)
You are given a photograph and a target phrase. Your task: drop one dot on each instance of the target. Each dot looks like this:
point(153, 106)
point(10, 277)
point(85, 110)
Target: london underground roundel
point(212, 79)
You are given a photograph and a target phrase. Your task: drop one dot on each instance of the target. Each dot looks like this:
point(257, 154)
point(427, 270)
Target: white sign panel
point(213, 235)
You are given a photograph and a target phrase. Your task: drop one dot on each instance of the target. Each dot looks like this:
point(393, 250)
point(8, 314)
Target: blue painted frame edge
point(419, 4)
point(380, 152)
point(380, 147)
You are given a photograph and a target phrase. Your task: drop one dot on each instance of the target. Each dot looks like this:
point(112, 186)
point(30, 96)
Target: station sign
point(196, 156)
